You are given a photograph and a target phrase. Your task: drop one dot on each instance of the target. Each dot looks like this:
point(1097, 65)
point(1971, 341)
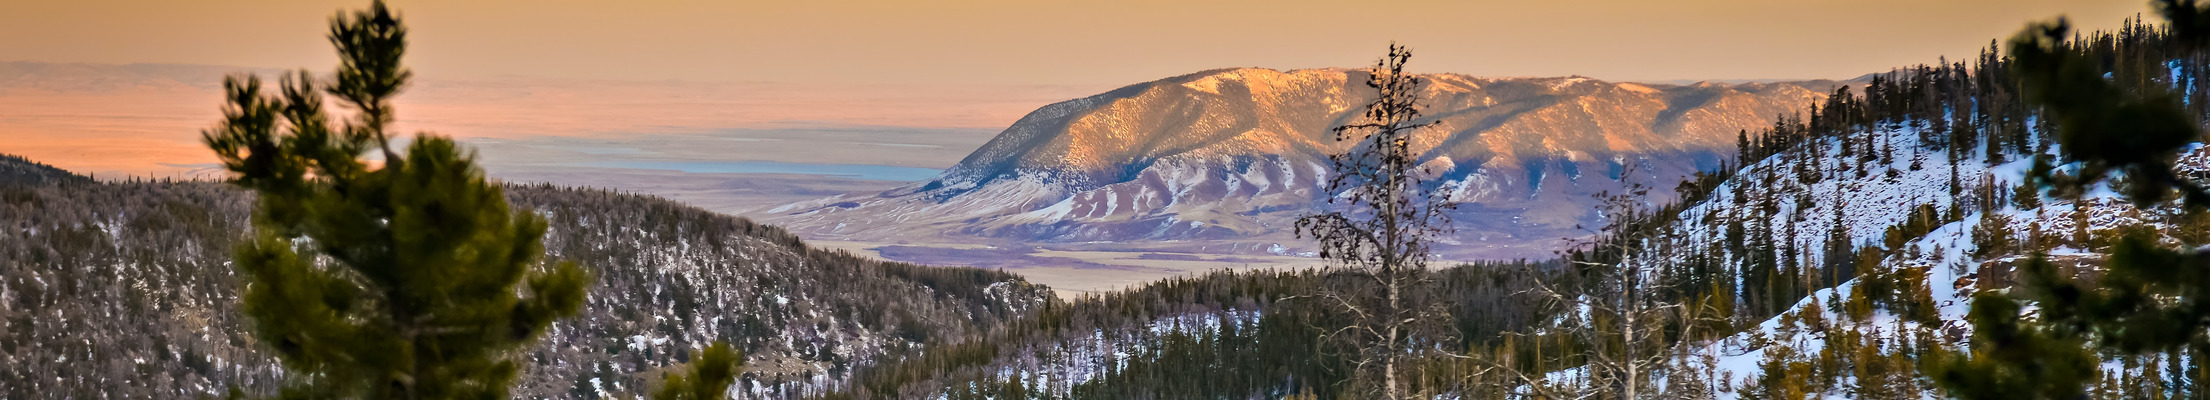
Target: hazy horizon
point(999, 42)
point(270, 73)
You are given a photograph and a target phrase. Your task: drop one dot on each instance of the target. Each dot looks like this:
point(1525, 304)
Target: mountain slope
point(15, 170)
point(1901, 252)
point(1855, 246)
point(122, 290)
point(1226, 159)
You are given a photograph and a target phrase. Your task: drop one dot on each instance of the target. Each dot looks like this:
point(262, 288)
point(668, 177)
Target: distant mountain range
point(1224, 161)
point(83, 77)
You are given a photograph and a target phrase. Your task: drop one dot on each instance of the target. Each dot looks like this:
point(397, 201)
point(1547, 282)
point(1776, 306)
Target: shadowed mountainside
point(18, 171)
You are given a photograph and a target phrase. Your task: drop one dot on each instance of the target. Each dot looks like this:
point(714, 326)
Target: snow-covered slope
point(1233, 155)
point(1802, 214)
point(124, 290)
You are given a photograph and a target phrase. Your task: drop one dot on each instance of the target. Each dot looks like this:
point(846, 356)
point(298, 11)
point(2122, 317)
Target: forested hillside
point(123, 290)
point(1257, 334)
point(19, 171)
point(1856, 236)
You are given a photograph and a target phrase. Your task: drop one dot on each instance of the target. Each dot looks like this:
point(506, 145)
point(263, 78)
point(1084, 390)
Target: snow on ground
point(1865, 206)
point(1075, 361)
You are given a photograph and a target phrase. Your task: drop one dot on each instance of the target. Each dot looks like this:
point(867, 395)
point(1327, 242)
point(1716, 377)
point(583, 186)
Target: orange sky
point(1051, 41)
point(690, 66)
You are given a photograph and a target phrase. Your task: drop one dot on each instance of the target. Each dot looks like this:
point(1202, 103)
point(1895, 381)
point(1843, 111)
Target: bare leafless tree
point(1622, 314)
point(1378, 236)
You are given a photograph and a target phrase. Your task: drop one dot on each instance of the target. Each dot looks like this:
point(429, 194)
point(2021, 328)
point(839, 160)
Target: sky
point(1051, 42)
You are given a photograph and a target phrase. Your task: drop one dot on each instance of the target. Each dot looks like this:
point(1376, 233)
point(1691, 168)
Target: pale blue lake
point(853, 171)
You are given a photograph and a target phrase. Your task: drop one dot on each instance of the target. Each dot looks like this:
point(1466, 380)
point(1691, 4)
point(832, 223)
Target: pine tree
point(1744, 154)
point(711, 374)
point(2149, 296)
point(2013, 359)
point(2026, 197)
point(2106, 127)
point(412, 280)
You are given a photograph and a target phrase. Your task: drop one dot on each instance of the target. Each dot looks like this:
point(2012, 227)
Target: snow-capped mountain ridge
point(1235, 154)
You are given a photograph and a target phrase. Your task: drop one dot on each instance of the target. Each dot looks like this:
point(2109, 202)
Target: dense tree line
point(120, 290)
point(1217, 335)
